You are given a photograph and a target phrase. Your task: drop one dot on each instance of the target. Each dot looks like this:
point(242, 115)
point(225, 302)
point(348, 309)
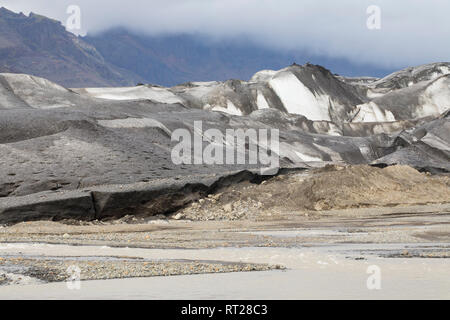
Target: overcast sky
point(412, 31)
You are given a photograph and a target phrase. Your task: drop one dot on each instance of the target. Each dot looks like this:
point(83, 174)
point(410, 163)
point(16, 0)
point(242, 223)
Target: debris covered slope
point(329, 188)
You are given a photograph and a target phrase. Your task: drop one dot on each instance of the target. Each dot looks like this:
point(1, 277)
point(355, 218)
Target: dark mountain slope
point(174, 59)
point(40, 46)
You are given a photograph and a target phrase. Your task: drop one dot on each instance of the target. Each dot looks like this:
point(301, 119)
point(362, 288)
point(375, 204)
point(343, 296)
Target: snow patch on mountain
point(263, 76)
point(157, 94)
point(16, 81)
point(436, 98)
point(371, 112)
point(230, 109)
point(307, 158)
point(261, 101)
point(297, 98)
point(310, 91)
point(34, 92)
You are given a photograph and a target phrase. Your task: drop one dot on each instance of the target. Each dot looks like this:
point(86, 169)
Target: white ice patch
point(205, 83)
point(333, 154)
point(161, 95)
point(436, 142)
point(334, 130)
point(299, 153)
point(134, 123)
point(298, 99)
point(263, 76)
point(20, 80)
point(436, 99)
point(372, 93)
point(261, 101)
point(37, 92)
point(307, 158)
point(366, 152)
point(444, 69)
point(371, 112)
point(200, 90)
point(230, 109)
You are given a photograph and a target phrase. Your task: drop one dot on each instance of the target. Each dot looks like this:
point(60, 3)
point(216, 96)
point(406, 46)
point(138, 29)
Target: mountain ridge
point(310, 91)
point(174, 59)
point(41, 46)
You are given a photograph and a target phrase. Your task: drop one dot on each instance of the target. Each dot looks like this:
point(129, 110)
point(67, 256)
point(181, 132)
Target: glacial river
point(327, 272)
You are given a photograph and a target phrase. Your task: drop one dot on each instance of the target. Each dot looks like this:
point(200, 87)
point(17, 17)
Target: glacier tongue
point(310, 91)
point(114, 145)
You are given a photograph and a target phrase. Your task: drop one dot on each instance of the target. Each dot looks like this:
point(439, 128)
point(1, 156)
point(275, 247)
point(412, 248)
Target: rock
point(228, 208)
point(178, 216)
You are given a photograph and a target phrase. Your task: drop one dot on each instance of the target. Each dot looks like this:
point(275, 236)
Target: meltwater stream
point(325, 272)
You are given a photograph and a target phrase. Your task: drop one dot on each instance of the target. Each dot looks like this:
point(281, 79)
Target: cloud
point(412, 31)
